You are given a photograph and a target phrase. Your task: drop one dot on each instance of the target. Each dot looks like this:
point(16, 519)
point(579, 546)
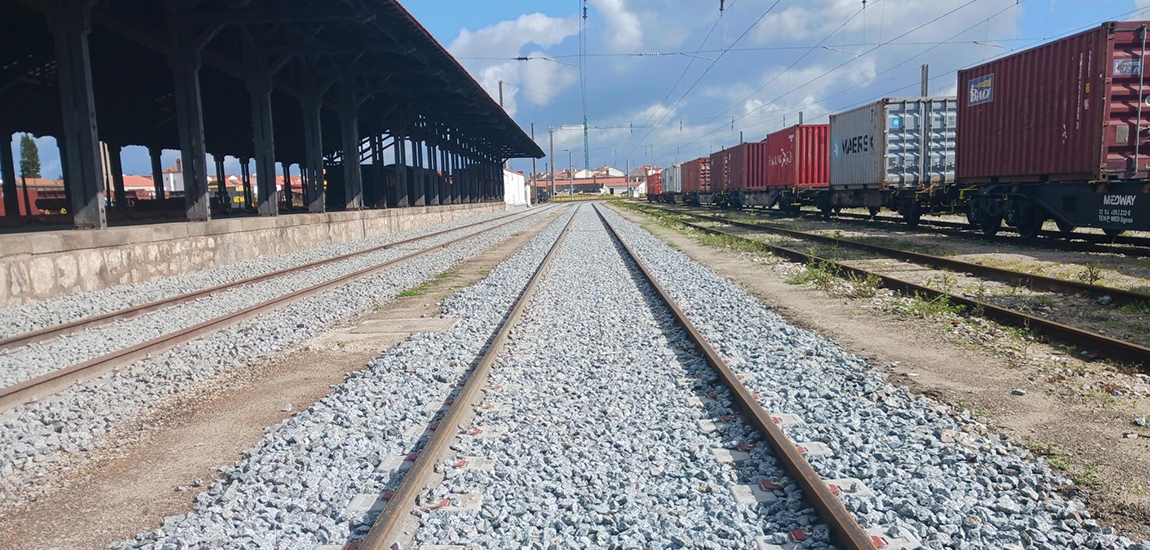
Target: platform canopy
point(248, 60)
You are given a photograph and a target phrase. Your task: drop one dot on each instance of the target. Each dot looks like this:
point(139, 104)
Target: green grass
point(816, 273)
point(1136, 308)
point(923, 307)
point(864, 286)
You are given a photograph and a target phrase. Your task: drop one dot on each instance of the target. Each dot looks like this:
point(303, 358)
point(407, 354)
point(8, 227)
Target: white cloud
point(624, 31)
point(540, 80)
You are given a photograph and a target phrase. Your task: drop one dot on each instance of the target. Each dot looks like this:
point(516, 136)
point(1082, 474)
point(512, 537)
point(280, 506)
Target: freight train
point(1058, 132)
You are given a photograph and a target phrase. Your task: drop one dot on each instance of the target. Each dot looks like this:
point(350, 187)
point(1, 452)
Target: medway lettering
point(1118, 200)
point(858, 144)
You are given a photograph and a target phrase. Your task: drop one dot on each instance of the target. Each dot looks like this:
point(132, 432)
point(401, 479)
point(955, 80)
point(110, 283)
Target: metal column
point(221, 183)
point(116, 167)
point(185, 62)
point(246, 179)
point(401, 183)
point(432, 174)
point(312, 168)
point(349, 130)
point(419, 193)
point(70, 22)
point(8, 174)
point(157, 171)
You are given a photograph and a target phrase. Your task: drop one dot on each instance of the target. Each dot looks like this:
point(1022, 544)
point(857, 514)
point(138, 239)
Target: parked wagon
point(696, 182)
point(1059, 132)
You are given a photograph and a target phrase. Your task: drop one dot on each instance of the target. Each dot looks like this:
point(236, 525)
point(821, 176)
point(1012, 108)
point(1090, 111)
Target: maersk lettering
point(858, 144)
point(1118, 200)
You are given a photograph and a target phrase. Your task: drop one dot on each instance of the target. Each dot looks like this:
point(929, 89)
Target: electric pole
point(571, 172)
point(551, 132)
point(534, 169)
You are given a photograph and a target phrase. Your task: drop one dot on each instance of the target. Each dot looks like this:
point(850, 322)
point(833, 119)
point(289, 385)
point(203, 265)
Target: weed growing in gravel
point(727, 241)
point(1041, 302)
point(946, 282)
point(1091, 273)
point(864, 287)
point(1088, 477)
point(923, 307)
point(817, 273)
point(1136, 308)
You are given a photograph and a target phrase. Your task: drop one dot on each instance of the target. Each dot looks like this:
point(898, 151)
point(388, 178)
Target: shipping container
point(746, 167)
point(672, 178)
point(894, 144)
point(654, 183)
point(696, 176)
point(720, 170)
point(799, 156)
point(1064, 111)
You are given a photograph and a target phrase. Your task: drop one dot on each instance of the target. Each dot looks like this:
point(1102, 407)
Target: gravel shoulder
point(1067, 414)
point(132, 488)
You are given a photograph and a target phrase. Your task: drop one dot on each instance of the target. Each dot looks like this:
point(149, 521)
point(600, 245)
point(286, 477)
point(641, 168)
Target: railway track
point(1136, 247)
point(1113, 348)
point(1012, 277)
point(44, 385)
point(393, 525)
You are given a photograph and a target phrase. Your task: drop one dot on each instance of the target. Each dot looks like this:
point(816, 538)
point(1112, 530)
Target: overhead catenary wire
point(941, 75)
point(836, 68)
point(708, 69)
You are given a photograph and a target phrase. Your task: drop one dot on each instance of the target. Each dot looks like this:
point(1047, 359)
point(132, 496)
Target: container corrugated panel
point(655, 183)
point(672, 179)
point(697, 176)
point(799, 156)
point(1061, 112)
point(720, 170)
point(894, 143)
point(746, 167)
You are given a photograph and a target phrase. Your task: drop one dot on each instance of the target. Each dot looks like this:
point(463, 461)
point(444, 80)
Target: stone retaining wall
point(37, 266)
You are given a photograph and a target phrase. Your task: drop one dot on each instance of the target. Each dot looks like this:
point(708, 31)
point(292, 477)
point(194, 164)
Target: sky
point(672, 80)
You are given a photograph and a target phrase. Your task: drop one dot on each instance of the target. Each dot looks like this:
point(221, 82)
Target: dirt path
point(114, 498)
point(1083, 435)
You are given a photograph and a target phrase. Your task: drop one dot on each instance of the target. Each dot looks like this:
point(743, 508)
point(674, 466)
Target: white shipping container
point(894, 143)
point(672, 179)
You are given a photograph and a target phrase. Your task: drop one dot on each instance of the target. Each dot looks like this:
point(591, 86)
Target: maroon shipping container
point(799, 156)
point(720, 170)
point(1061, 112)
point(655, 183)
point(746, 168)
point(696, 176)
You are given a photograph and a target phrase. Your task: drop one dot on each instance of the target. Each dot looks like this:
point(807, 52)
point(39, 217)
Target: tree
point(29, 157)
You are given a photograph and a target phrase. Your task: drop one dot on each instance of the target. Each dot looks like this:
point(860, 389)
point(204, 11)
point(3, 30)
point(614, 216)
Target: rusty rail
point(849, 535)
point(1016, 277)
point(47, 384)
point(1110, 347)
point(62, 329)
point(387, 526)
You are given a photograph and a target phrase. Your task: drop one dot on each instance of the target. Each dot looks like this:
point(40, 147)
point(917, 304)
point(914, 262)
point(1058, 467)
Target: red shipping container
point(799, 156)
point(746, 167)
point(655, 183)
point(696, 175)
point(719, 170)
point(1061, 112)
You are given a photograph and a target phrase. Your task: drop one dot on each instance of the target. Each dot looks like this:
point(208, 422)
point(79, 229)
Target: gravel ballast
point(934, 470)
point(34, 360)
point(27, 317)
point(602, 447)
point(39, 434)
point(291, 490)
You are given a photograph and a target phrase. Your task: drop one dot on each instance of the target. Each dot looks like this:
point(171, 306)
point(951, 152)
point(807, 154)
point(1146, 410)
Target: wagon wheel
point(874, 210)
point(989, 225)
point(1031, 224)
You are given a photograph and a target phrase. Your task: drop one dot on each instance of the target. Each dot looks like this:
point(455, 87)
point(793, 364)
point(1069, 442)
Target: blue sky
point(760, 65)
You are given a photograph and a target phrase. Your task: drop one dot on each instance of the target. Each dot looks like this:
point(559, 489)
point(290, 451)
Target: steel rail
point(963, 226)
point(386, 528)
point(849, 535)
point(1082, 242)
point(1110, 347)
point(52, 382)
point(961, 230)
point(1016, 277)
point(62, 329)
